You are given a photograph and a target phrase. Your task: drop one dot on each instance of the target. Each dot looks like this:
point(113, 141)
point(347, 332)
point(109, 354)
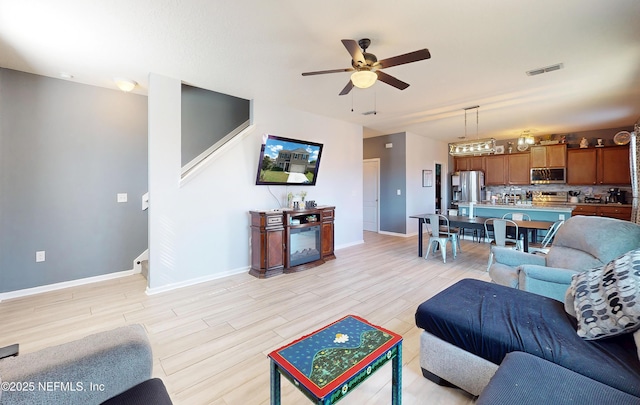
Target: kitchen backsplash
point(588, 191)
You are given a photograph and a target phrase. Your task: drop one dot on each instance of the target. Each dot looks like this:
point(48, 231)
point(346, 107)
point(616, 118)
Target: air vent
point(540, 71)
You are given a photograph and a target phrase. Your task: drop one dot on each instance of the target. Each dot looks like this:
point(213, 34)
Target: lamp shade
point(363, 78)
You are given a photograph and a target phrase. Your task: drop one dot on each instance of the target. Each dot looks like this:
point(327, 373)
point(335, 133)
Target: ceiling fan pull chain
point(375, 103)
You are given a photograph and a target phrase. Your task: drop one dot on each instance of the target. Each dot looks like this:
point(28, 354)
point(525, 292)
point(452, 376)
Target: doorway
point(371, 194)
point(438, 182)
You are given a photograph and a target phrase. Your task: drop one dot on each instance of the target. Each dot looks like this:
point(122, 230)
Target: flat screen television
point(285, 161)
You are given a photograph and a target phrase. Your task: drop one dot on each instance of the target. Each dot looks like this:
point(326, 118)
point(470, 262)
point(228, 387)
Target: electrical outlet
point(40, 256)
point(561, 217)
point(122, 197)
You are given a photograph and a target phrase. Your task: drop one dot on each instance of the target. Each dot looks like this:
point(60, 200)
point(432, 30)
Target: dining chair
point(500, 237)
point(440, 234)
point(542, 247)
point(516, 216)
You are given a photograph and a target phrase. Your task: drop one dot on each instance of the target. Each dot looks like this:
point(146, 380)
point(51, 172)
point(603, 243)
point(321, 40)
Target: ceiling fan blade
point(354, 50)
point(392, 81)
point(321, 72)
point(347, 88)
point(406, 58)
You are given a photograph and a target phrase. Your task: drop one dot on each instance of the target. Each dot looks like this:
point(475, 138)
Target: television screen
point(285, 161)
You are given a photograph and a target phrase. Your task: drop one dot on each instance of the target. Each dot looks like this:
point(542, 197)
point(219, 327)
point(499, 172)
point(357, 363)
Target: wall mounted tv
point(285, 161)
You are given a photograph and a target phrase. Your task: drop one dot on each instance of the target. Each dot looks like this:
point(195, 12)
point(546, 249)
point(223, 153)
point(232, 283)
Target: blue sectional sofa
point(470, 327)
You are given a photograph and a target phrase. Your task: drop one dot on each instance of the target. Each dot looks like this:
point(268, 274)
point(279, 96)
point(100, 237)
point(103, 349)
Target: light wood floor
point(211, 341)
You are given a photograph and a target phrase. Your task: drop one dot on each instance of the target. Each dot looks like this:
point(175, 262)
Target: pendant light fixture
point(526, 138)
point(477, 147)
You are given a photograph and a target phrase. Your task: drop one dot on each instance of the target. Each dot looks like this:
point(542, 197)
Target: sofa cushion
point(570, 258)
point(601, 237)
point(525, 379)
point(491, 320)
point(607, 299)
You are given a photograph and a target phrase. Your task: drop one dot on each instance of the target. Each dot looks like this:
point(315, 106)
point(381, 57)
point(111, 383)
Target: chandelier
point(475, 147)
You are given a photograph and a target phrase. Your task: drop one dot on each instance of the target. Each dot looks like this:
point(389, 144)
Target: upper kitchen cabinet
point(607, 166)
point(496, 170)
point(549, 156)
point(613, 166)
point(507, 170)
point(518, 166)
point(468, 163)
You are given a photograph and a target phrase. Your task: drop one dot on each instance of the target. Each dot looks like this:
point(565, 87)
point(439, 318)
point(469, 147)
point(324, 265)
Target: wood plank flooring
point(210, 341)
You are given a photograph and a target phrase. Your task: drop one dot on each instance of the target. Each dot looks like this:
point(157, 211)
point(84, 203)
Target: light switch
point(122, 197)
point(40, 256)
point(399, 192)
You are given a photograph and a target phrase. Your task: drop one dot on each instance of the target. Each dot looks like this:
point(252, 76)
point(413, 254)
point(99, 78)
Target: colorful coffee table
point(327, 364)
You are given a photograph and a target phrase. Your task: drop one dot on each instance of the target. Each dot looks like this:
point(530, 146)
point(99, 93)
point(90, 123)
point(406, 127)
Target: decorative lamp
point(363, 78)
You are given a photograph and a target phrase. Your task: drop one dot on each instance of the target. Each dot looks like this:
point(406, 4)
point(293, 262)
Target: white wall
point(200, 231)
point(422, 154)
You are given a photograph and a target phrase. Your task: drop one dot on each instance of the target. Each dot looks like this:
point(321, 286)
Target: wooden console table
point(286, 241)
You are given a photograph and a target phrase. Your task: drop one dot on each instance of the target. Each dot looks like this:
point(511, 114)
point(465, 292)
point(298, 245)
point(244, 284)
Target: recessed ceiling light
point(547, 69)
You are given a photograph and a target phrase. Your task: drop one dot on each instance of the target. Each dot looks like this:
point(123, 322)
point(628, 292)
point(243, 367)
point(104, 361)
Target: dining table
point(478, 223)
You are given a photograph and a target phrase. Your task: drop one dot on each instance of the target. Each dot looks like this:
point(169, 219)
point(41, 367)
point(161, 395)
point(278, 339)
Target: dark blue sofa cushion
point(490, 320)
point(525, 379)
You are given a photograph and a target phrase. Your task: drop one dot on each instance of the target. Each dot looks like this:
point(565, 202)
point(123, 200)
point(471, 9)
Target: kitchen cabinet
point(589, 166)
point(512, 169)
point(549, 156)
point(518, 169)
point(613, 166)
point(612, 211)
point(495, 170)
point(469, 163)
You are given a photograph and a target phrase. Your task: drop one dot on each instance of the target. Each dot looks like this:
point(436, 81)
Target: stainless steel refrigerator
point(466, 187)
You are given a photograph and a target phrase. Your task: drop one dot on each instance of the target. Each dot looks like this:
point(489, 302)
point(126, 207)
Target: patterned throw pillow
point(607, 299)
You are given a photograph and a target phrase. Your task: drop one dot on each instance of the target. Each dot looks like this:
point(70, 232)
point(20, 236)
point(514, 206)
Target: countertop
point(535, 207)
point(552, 207)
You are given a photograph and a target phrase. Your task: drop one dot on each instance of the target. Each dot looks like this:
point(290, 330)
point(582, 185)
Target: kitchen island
point(536, 212)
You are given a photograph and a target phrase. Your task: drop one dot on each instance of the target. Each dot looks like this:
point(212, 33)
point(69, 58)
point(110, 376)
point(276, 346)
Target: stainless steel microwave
point(543, 175)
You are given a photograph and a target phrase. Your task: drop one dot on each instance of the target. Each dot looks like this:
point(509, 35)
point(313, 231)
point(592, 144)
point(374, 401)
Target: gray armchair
point(110, 366)
point(582, 243)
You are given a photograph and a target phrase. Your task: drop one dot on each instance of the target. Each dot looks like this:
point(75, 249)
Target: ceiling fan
point(366, 66)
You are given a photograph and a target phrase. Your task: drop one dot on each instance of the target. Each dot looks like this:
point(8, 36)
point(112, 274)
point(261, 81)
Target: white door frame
point(377, 160)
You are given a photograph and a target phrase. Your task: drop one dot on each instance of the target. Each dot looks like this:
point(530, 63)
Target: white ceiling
point(258, 49)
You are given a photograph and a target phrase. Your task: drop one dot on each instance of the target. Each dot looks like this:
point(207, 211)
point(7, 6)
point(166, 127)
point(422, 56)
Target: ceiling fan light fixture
point(363, 78)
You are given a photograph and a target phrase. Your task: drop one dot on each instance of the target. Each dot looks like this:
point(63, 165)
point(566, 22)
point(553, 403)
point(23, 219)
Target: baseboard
point(346, 245)
point(194, 281)
point(404, 235)
point(64, 284)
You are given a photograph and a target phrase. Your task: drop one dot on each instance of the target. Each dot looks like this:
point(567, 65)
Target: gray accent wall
point(393, 177)
point(207, 117)
point(66, 151)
